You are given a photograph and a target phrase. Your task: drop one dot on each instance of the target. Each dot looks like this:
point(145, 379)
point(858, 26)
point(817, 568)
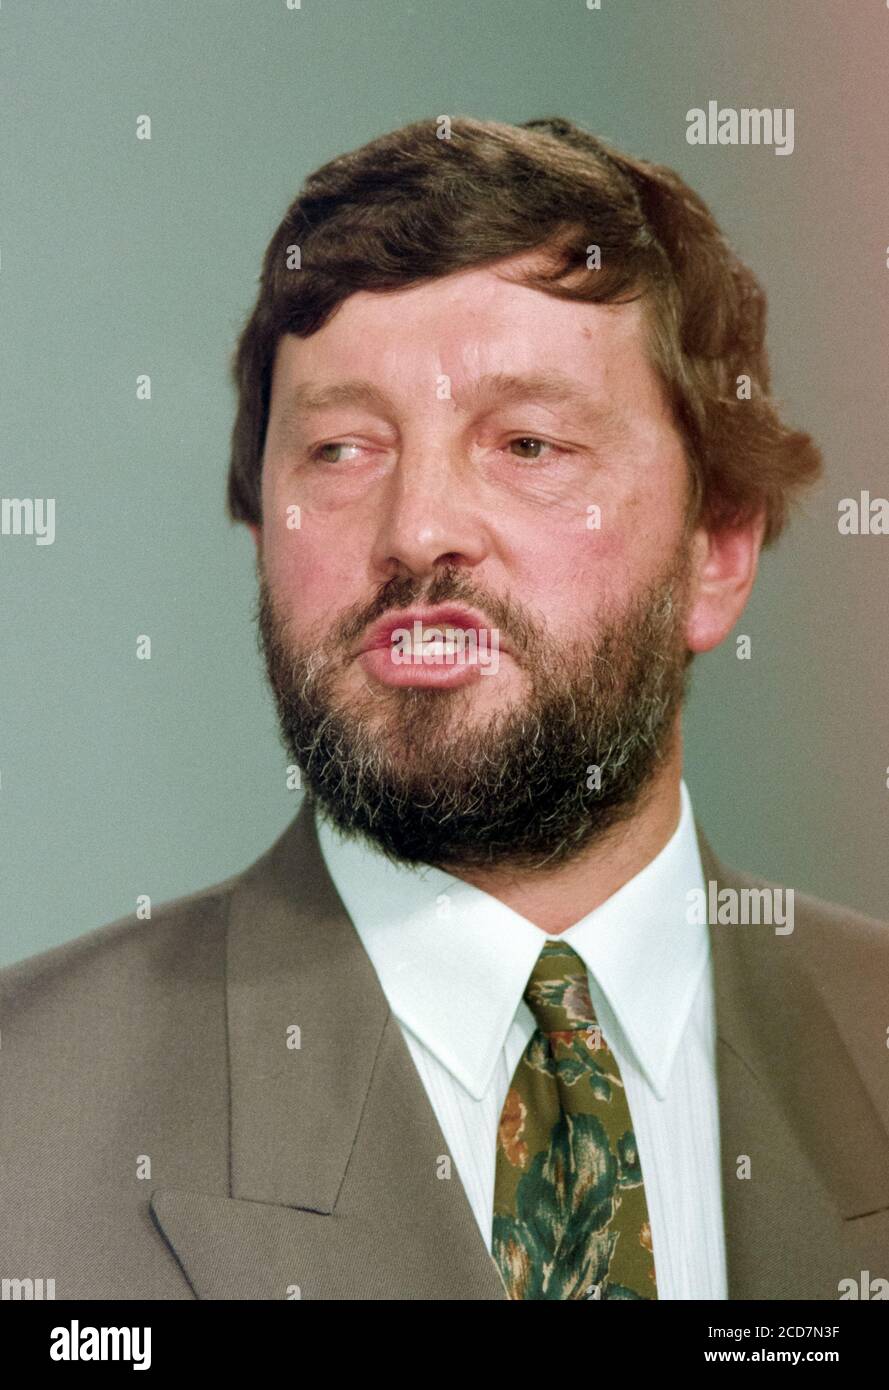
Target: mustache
point(450, 585)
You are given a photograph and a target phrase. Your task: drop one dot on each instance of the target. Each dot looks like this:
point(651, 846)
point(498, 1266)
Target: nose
point(429, 516)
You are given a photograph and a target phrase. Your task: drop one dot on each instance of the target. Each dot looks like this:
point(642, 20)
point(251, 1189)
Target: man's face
point(473, 455)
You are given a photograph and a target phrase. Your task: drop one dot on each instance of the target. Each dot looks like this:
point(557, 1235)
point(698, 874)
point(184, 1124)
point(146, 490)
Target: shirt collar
point(453, 961)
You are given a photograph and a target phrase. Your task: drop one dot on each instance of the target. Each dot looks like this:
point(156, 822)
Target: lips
point(463, 619)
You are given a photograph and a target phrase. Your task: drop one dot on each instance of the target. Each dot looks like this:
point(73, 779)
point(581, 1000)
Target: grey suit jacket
point(159, 1139)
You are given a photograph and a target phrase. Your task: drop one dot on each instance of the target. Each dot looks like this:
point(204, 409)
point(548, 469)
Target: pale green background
point(122, 777)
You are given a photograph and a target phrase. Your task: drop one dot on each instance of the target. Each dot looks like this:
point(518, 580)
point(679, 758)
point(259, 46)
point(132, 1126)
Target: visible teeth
point(436, 647)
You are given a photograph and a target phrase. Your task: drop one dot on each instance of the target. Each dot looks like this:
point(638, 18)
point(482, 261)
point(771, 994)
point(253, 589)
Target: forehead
point(473, 324)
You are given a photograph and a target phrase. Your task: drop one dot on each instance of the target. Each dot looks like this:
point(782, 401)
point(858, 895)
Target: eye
point(321, 455)
point(531, 447)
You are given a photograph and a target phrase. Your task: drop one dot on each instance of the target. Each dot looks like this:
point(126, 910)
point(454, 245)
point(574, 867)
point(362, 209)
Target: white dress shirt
point(453, 962)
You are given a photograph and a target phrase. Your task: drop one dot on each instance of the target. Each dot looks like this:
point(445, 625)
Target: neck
point(555, 899)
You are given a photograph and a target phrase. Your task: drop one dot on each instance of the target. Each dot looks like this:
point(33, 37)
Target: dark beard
point(433, 786)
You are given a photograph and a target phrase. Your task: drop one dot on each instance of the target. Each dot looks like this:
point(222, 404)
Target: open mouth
point(443, 648)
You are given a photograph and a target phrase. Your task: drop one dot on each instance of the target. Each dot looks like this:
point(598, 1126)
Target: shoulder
point(835, 922)
point(819, 917)
point(825, 925)
point(177, 954)
point(843, 951)
point(114, 1053)
point(123, 960)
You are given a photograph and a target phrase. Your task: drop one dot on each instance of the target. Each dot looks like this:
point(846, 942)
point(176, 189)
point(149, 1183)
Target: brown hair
point(432, 198)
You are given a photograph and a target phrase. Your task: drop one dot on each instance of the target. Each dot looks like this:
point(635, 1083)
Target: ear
point(724, 565)
point(256, 533)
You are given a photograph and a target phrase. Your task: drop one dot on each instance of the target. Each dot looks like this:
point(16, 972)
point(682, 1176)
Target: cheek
point(308, 580)
point(594, 560)
point(294, 555)
point(573, 567)
point(638, 535)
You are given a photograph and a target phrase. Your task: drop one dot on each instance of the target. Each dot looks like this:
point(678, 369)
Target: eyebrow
point(491, 390)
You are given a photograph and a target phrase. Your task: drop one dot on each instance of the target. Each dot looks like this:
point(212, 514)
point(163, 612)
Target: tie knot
point(558, 992)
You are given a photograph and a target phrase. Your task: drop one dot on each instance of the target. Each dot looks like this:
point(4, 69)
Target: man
point(489, 1020)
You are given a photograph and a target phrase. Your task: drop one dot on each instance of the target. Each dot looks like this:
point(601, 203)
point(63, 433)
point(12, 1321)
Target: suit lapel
point(792, 1104)
point(339, 1185)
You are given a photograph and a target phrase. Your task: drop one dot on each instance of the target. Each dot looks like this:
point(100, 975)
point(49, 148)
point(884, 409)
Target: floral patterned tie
point(570, 1217)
